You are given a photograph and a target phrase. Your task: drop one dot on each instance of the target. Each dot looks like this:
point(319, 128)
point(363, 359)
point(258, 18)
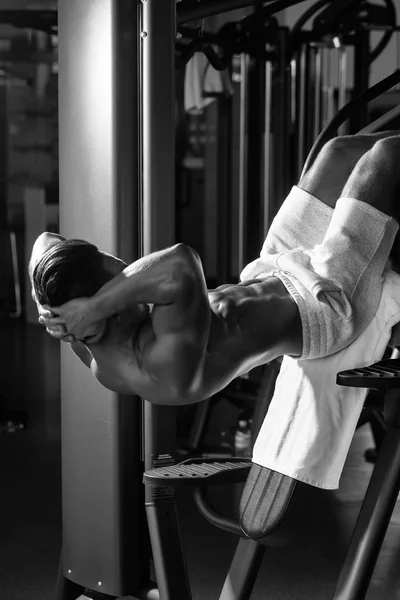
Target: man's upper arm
point(175, 353)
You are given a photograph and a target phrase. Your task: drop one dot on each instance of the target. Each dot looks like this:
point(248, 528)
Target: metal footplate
point(381, 376)
point(197, 472)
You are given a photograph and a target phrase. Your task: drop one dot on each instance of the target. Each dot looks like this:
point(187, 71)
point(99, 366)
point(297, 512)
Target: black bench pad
point(264, 502)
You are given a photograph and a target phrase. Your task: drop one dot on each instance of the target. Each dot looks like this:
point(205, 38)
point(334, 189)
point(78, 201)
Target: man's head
point(68, 269)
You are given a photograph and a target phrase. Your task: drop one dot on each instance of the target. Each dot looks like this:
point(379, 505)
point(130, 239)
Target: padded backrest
point(264, 502)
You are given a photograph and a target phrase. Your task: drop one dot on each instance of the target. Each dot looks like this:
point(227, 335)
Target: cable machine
point(289, 84)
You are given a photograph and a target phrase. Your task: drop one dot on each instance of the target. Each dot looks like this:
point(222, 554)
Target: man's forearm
point(154, 279)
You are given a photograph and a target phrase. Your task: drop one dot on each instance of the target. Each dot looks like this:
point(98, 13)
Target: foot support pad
point(199, 471)
point(382, 376)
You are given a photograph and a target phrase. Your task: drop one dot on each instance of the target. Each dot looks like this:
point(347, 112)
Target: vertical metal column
point(311, 64)
point(3, 152)
point(361, 77)
point(158, 166)
point(243, 159)
point(224, 188)
point(328, 92)
point(280, 125)
point(103, 545)
point(255, 161)
point(300, 122)
point(342, 85)
point(375, 512)
point(317, 93)
point(267, 154)
point(245, 566)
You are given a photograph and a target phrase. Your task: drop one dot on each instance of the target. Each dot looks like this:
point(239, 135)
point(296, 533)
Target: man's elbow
point(179, 393)
point(182, 398)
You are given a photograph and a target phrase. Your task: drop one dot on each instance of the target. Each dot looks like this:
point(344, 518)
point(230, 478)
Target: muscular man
point(153, 329)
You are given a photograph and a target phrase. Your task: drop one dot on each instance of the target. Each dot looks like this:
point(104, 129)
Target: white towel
point(311, 420)
point(201, 79)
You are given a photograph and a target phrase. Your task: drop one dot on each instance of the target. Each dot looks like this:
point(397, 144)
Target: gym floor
point(302, 559)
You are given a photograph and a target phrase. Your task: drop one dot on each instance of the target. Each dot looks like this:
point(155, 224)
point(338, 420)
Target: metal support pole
point(267, 147)
point(328, 92)
point(317, 93)
point(158, 209)
point(281, 178)
point(224, 188)
point(243, 159)
point(310, 96)
point(102, 499)
point(3, 153)
point(243, 571)
point(300, 107)
point(200, 421)
point(255, 159)
point(342, 85)
point(375, 514)
point(361, 78)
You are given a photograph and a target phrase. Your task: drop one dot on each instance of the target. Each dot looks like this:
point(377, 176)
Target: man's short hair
point(69, 269)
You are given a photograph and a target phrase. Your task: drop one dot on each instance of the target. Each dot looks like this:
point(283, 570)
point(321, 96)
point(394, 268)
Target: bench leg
point(372, 522)
point(168, 553)
point(243, 572)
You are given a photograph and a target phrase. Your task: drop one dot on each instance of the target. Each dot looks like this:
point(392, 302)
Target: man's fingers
point(52, 323)
point(61, 335)
point(53, 328)
point(54, 310)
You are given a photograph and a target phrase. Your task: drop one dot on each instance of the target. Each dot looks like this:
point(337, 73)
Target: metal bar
point(267, 147)
point(199, 425)
point(169, 562)
point(215, 518)
point(300, 107)
point(309, 96)
point(103, 545)
point(255, 192)
point(372, 522)
point(361, 77)
point(224, 187)
point(380, 122)
point(158, 118)
point(3, 153)
point(317, 92)
point(328, 103)
point(342, 84)
point(158, 210)
point(243, 571)
point(192, 11)
point(280, 126)
point(243, 159)
point(293, 79)
point(15, 267)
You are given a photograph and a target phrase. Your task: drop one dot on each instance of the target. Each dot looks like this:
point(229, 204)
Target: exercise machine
point(117, 190)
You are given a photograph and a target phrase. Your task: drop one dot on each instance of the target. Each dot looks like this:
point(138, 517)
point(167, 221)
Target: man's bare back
point(241, 337)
